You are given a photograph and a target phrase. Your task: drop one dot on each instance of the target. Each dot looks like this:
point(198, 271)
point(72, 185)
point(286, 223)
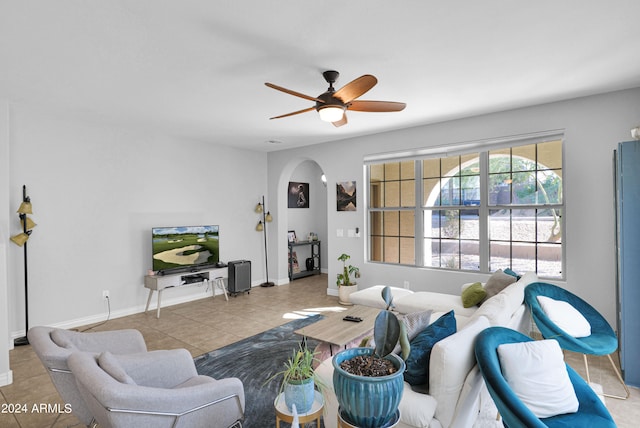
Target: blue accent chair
point(602, 341)
point(515, 414)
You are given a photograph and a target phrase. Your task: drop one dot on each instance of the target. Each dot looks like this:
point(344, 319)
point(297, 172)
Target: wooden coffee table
point(335, 331)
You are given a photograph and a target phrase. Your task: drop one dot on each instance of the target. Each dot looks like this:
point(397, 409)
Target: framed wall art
point(346, 195)
point(298, 195)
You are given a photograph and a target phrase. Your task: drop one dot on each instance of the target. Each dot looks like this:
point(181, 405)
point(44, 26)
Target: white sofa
point(455, 383)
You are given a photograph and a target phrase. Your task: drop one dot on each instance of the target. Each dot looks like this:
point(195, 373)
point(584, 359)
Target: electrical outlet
point(406, 284)
point(105, 294)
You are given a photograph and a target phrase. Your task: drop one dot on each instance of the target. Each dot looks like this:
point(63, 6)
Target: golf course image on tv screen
point(184, 247)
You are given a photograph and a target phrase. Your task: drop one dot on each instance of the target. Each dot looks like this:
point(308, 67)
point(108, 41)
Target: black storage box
point(239, 277)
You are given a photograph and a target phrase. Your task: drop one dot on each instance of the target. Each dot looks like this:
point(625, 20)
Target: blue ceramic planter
point(300, 393)
point(367, 402)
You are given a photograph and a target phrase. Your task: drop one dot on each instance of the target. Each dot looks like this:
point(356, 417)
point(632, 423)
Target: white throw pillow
point(565, 316)
point(537, 374)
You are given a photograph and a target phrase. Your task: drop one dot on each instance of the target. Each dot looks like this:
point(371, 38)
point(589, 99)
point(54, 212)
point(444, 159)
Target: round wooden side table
point(344, 424)
point(314, 414)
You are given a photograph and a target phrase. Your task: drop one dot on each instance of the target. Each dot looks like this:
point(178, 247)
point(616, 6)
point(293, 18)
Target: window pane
point(376, 172)
point(450, 224)
point(391, 223)
point(431, 168)
point(450, 166)
point(470, 164)
point(376, 248)
point(376, 223)
point(499, 255)
point(470, 259)
point(549, 226)
point(523, 225)
point(431, 189)
point(450, 254)
point(500, 160)
point(524, 188)
point(523, 258)
point(550, 155)
point(376, 195)
point(408, 195)
point(499, 225)
point(392, 171)
point(470, 190)
point(431, 252)
point(407, 251)
point(450, 192)
point(392, 194)
point(500, 189)
point(550, 187)
point(469, 224)
point(407, 223)
point(432, 223)
point(523, 158)
point(392, 250)
point(550, 260)
point(407, 170)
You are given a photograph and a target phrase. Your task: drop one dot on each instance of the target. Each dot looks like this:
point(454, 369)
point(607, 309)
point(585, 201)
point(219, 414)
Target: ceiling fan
point(333, 104)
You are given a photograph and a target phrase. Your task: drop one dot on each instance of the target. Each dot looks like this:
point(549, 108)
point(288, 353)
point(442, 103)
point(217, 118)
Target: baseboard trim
point(6, 378)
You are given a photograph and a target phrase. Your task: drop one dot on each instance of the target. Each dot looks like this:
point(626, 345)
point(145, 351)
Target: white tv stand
point(183, 279)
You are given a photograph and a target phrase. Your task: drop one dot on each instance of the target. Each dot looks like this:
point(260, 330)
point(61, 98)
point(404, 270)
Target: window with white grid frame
point(480, 211)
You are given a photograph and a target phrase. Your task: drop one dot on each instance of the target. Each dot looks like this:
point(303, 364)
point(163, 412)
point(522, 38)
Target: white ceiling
point(196, 68)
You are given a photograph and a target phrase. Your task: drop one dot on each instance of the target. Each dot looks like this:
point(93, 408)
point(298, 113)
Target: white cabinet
point(214, 277)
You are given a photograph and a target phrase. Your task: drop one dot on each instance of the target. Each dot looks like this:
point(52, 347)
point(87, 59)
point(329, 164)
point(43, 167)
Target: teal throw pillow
point(473, 294)
point(417, 364)
point(508, 271)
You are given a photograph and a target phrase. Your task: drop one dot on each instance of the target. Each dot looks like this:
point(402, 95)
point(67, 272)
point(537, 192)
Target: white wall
point(592, 128)
point(97, 191)
point(5, 212)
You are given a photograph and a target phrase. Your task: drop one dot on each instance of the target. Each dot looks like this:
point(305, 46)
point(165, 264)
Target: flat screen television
point(185, 248)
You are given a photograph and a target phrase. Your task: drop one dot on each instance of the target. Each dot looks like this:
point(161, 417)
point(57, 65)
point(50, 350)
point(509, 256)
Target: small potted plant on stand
point(369, 382)
point(345, 285)
point(299, 380)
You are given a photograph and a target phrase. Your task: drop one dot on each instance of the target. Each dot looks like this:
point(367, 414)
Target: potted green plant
point(345, 284)
point(363, 376)
point(299, 379)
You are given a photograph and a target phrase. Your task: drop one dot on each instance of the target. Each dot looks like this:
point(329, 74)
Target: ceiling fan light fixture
point(331, 113)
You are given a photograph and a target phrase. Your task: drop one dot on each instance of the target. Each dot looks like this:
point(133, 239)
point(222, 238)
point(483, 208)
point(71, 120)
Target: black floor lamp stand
point(21, 240)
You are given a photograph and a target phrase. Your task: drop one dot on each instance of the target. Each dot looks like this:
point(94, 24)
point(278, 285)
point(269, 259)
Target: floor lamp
point(262, 227)
point(21, 240)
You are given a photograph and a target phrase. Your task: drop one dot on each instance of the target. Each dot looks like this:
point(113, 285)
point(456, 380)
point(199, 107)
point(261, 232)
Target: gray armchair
point(54, 346)
point(158, 389)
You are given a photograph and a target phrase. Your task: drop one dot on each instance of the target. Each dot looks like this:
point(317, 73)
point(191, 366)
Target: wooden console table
point(315, 255)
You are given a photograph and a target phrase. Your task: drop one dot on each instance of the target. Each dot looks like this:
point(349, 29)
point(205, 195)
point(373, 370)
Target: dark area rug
point(254, 360)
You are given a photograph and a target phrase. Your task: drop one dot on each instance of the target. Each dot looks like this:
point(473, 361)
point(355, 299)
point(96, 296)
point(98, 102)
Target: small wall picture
point(298, 195)
point(346, 195)
point(291, 236)
point(294, 263)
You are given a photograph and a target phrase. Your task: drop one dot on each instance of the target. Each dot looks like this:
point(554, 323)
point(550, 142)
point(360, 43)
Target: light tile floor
point(208, 324)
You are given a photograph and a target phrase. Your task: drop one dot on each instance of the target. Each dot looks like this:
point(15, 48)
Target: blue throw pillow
point(508, 271)
point(417, 364)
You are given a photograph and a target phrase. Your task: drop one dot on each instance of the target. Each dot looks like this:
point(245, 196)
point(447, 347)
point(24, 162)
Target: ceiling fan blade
point(341, 122)
point(376, 106)
point(294, 93)
point(293, 113)
point(355, 88)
